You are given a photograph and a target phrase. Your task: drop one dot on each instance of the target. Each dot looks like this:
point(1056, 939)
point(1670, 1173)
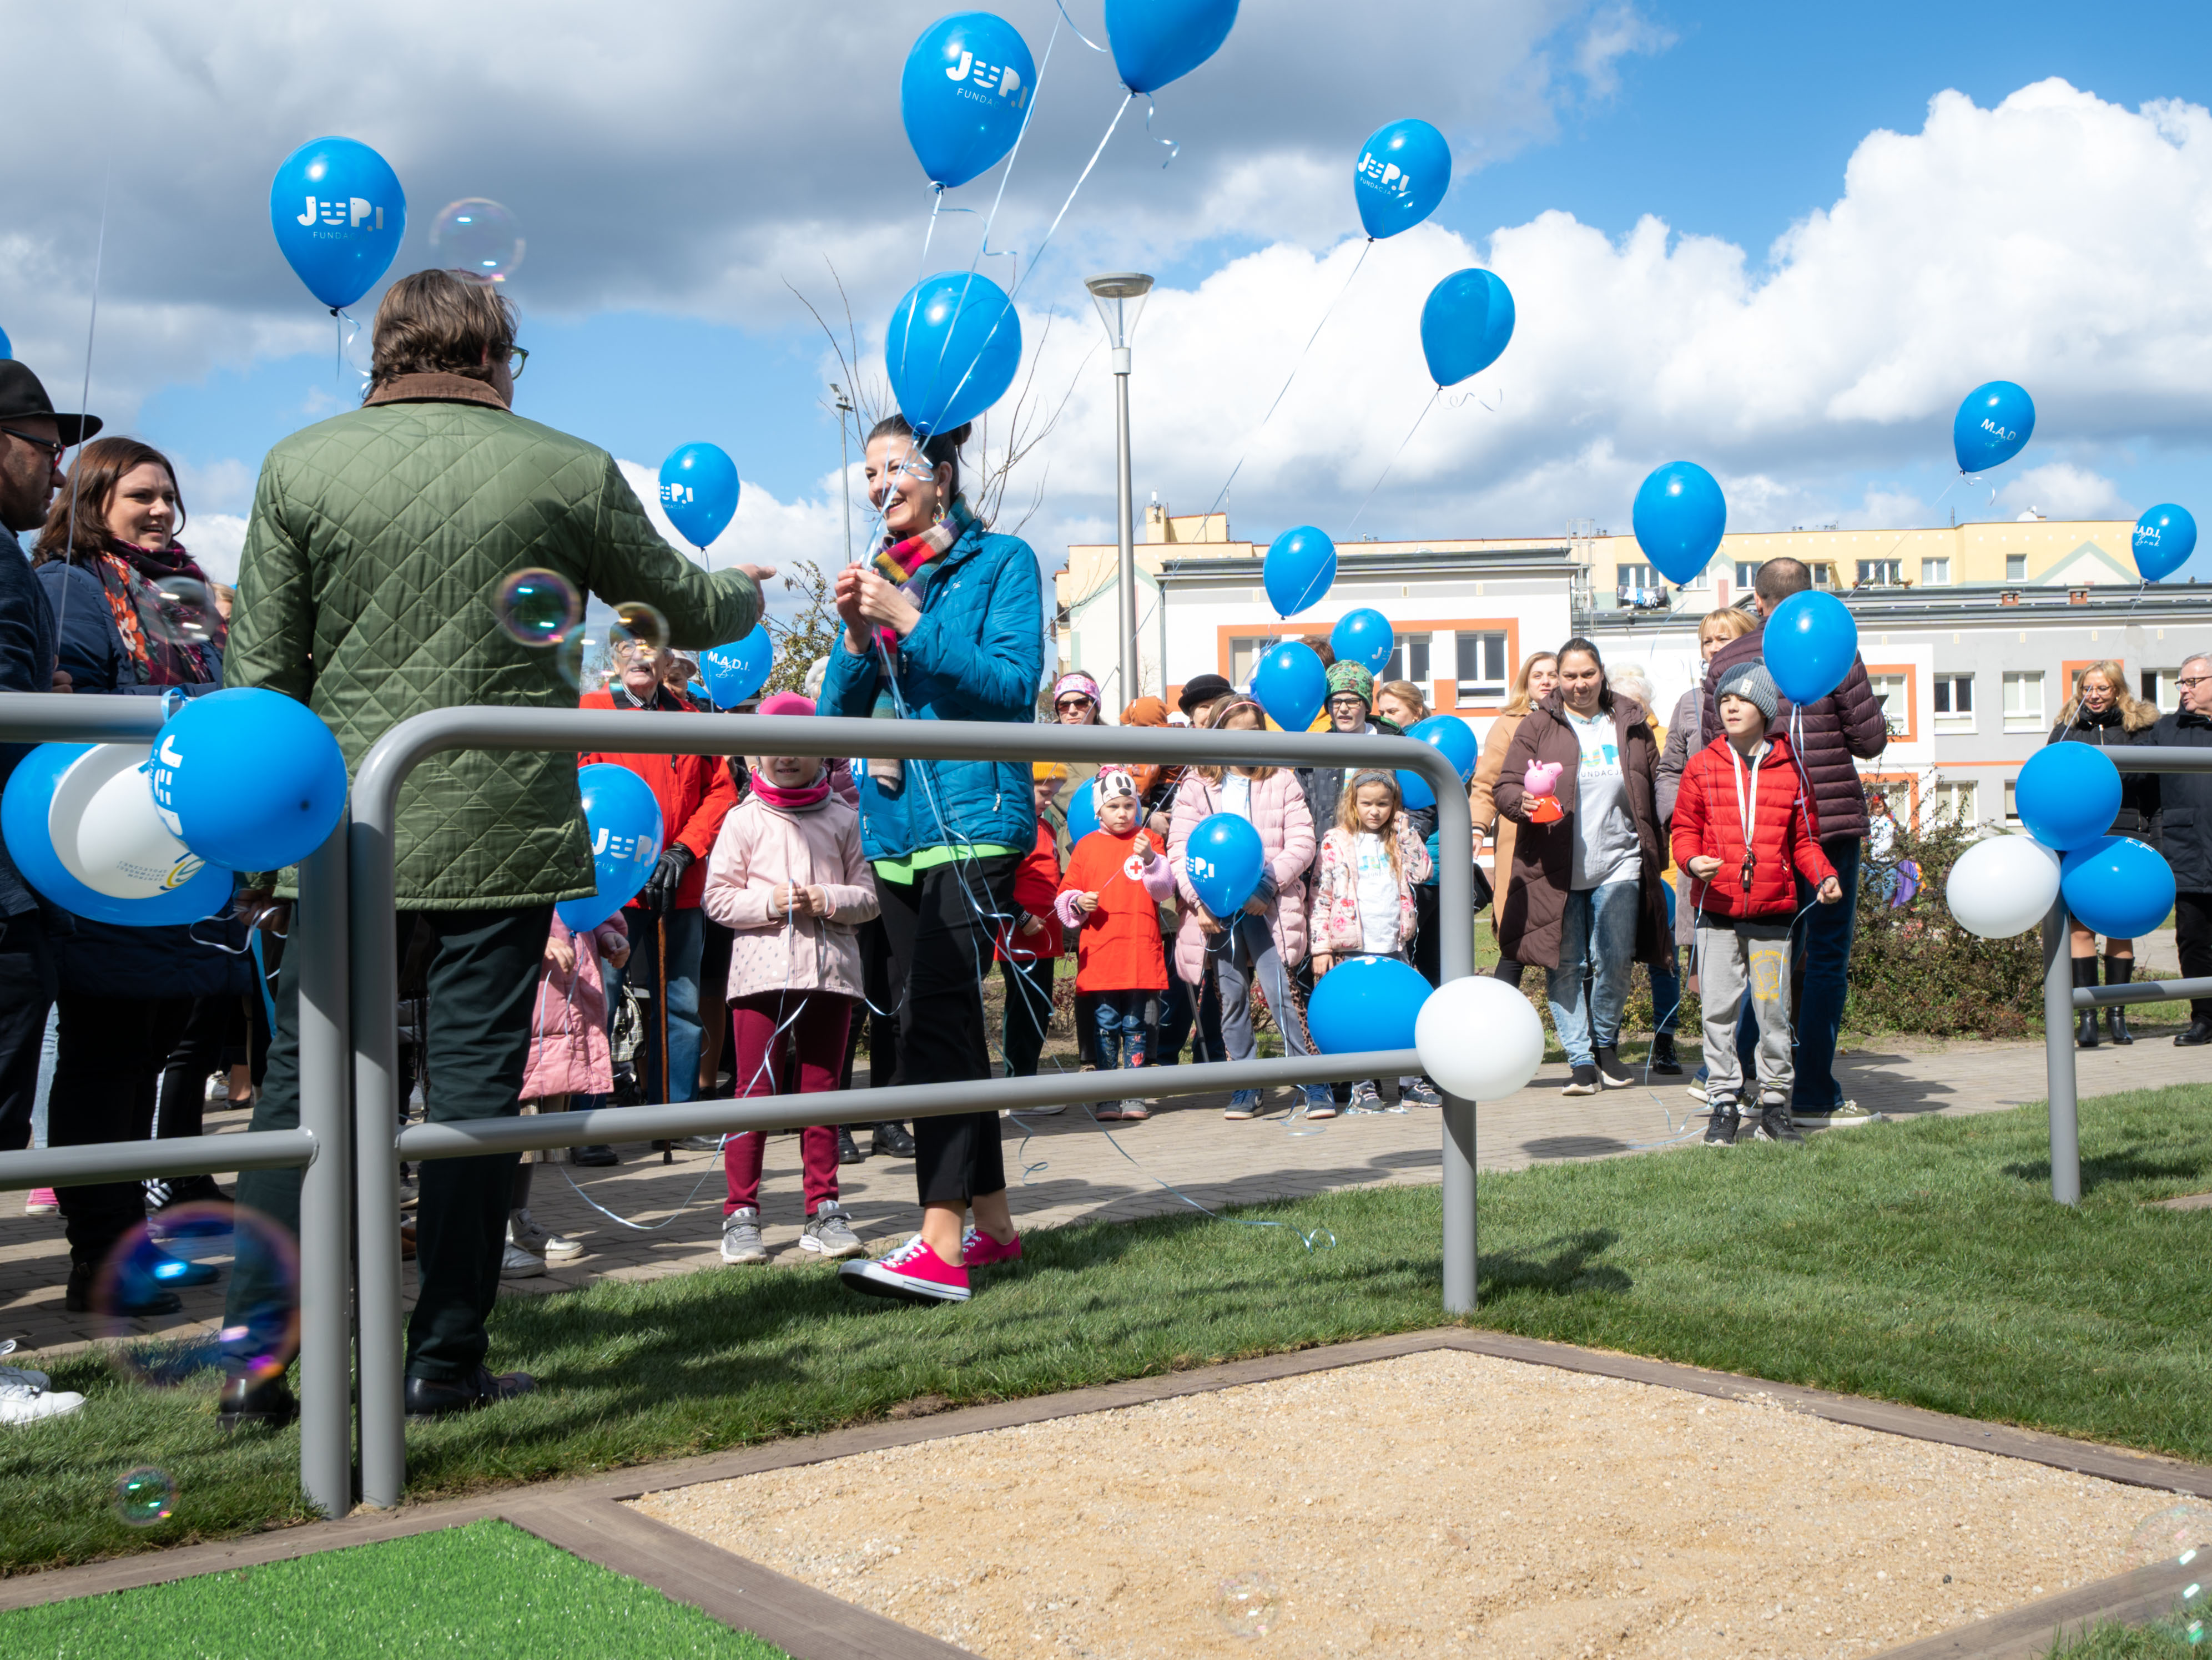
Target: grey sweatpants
point(1736, 959)
point(1251, 955)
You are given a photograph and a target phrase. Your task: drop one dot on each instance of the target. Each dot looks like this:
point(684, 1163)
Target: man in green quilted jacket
point(367, 589)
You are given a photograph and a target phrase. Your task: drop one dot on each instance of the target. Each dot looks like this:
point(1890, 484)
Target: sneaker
point(1775, 1123)
point(1722, 1123)
point(1699, 1091)
point(522, 1230)
point(1321, 1101)
point(1365, 1097)
point(1245, 1103)
point(42, 1202)
point(516, 1263)
point(1611, 1072)
point(1106, 1112)
point(1844, 1114)
point(1420, 1093)
point(217, 1092)
point(1134, 1111)
point(176, 1273)
point(829, 1232)
point(912, 1273)
point(1052, 1111)
point(1584, 1082)
point(979, 1250)
point(741, 1236)
point(23, 1402)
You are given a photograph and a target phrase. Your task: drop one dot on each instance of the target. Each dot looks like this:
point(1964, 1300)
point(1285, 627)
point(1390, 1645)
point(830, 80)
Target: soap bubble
point(184, 612)
point(536, 607)
point(637, 627)
point(478, 238)
point(569, 655)
point(2165, 1534)
point(195, 1246)
point(1246, 1605)
point(144, 1496)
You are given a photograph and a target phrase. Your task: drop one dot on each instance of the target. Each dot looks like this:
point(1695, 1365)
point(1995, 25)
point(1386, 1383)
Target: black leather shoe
point(245, 1404)
point(598, 1153)
point(1663, 1059)
point(430, 1397)
point(130, 1300)
point(891, 1140)
point(2200, 1031)
point(848, 1150)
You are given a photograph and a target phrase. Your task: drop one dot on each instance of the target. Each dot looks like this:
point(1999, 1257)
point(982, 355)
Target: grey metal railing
point(380, 1144)
point(2061, 998)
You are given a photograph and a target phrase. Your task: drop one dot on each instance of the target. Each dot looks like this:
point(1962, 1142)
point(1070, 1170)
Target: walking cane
point(660, 956)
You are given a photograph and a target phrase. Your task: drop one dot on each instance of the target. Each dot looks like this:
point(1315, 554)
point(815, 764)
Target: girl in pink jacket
point(568, 1057)
point(787, 877)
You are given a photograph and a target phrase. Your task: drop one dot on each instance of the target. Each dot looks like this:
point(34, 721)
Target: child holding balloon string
point(1371, 860)
point(1117, 877)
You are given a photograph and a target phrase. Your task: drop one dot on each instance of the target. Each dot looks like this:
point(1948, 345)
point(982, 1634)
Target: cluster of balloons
point(2067, 795)
point(144, 837)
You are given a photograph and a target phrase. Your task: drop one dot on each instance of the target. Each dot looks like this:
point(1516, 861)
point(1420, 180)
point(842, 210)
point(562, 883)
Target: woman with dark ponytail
point(945, 623)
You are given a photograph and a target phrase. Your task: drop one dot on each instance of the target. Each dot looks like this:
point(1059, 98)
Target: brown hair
point(99, 467)
point(1348, 813)
point(1520, 702)
point(2135, 714)
point(1727, 623)
point(434, 322)
point(1214, 718)
point(1406, 692)
point(939, 449)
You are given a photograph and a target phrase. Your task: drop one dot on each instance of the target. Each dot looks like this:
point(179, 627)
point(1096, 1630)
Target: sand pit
point(1440, 1503)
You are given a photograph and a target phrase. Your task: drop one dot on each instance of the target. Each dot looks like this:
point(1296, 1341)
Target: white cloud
point(1616, 31)
point(762, 531)
point(215, 540)
point(2059, 490)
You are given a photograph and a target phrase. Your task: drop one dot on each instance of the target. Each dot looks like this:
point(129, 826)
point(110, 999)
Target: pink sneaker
point(912, 1273)
point(42, 1203)
point(979, 1250)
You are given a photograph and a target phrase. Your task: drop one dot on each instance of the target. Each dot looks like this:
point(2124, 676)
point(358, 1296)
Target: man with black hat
point(32, 439)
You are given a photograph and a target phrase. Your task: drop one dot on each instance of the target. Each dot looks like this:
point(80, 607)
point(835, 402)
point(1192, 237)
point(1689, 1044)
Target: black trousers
point(214, 1031)
point(1029, 1013)
point(938, 932)
point(27, 995)
point(108, 1057)
point(483, 983)
point(2192, 940)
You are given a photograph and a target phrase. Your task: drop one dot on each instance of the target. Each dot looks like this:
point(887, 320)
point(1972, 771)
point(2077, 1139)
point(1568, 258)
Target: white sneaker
point(516, 1263)
point(22, 1402)
point(523, 1231)
point(741, 1236)
point(1842, 1116)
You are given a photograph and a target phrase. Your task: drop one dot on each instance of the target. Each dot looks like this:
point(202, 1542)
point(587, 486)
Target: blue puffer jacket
point(976, 655)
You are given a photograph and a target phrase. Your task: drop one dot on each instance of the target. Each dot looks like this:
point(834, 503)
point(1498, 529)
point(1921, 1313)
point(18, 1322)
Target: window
point(1954, 702)
point(1935, 573)
point(1244, 656)
point(1409, 660)
point(1747, 573)
point(1824, 577)
point(2011, 802)
point(2161, 689)
point(1957, 802)
point(1881, 573)
point(2015, 567)
point(1638, 586)
point(1482, 673)
point(1889, 692)
point(2023, 701)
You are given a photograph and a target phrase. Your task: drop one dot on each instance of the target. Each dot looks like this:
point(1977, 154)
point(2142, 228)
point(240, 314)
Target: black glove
point(659, 894)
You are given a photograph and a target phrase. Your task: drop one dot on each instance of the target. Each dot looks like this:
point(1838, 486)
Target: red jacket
point(695, 792)
point(1785, 838)
point(1036, 884)
point(1120, 947)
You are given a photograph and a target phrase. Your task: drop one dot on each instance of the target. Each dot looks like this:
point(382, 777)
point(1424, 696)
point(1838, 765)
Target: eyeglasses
point(53, 446)
point(2193, 679)
point(1084, 703)
point(517, 356)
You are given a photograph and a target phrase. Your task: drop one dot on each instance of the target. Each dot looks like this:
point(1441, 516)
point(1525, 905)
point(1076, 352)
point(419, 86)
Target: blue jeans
point(685, 937)
point(1597, 937)
point(1666, 991)
point(1188, 1013)
point(1121, 1026)
point(1820, 957)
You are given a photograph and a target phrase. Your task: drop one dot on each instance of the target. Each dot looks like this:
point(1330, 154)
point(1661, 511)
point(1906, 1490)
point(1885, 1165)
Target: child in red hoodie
point(1117, 878)
point(1744, 832)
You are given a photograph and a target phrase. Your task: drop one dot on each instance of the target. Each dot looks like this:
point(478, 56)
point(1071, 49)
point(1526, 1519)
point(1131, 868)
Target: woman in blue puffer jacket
point(136, 617)
point(946, 623)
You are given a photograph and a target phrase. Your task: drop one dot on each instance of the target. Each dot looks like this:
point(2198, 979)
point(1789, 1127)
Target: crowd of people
point(801, 907)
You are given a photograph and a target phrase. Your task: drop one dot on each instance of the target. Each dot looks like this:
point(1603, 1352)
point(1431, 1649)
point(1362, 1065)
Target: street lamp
point(1120, 296)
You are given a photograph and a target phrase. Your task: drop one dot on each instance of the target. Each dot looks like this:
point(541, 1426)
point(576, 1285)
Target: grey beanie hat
point(1752, 683)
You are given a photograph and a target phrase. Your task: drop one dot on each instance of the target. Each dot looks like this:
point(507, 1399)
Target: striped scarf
point(909, 564)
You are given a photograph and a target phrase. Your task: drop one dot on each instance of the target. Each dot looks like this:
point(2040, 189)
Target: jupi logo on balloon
point(618, 847)
point(1386, 176)
point(342, 213)
point(1002, 80)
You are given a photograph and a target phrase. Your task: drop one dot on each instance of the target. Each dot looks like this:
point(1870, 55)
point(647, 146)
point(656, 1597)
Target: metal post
point(369, 857)
point(319, 936)
point(2058, 1057)
point(1455, 961)
point(844, 465)
point(1132, 685)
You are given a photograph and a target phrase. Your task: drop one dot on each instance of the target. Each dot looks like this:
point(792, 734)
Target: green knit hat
point(1351, 678)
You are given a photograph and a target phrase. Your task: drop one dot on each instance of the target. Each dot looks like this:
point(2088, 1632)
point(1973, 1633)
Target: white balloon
point(107, 831)
point(2002, 887)
point(1479, 1038)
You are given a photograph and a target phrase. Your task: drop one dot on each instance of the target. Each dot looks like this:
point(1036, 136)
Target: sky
point(1781, 241)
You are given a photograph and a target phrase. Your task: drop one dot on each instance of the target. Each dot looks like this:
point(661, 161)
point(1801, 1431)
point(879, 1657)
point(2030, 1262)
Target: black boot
point(1662, 1055)
point(2085, 1027)
point(848, 1150)
point(2118, 971)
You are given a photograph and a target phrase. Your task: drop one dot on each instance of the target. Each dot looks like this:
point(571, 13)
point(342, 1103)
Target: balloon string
point(1292, 375)
point(84, 398)
point(1174, 149)
point(1079, 34)
point(1932, 506)
point(1393, 461)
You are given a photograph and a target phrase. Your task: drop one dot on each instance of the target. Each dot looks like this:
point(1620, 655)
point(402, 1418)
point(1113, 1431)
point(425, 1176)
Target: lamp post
point(1120, 296)
point(844, 465)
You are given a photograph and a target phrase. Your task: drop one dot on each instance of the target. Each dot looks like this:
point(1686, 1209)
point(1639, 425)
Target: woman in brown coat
point(1539, 674)
point(1585, 898)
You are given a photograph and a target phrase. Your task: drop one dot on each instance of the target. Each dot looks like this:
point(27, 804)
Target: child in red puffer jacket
point(1744, 832)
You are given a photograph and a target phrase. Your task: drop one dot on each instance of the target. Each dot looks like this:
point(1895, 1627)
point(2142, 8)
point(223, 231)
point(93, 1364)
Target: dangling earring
point(937, 514)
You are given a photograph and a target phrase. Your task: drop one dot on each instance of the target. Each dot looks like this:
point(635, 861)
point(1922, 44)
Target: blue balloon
point(1223, 861)
point(1365, 1003)
point(1292, 685)
point(1157, 41)
point(1465, 323)
point(1413, 789)
point(2067, 795)
point(1402, 173)
point(735, 672)
point(699, 491)
point(623, 820)
point(1299, 567)
point(1364, 637)
point(951, 351)
point(1082, 813)
point(1992, 426)
point(7, 350)
point(1810, 642)
point(1453, 737)
point(339, 216)
point(2116, 885)
point(1679, 518)
point(964, 95)
point(44, 808)
point(2165, 537)
point(248, 778)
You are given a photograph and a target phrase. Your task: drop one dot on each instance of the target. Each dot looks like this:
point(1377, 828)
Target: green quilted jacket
point(365, 590)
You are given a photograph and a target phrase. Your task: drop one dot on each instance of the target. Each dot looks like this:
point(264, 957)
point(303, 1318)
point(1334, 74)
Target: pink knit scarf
point(805, 799)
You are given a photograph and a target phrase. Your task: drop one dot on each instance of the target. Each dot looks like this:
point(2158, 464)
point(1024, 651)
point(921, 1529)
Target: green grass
point(487, 1591)
point(2168, 1640)
point(1920, 1262)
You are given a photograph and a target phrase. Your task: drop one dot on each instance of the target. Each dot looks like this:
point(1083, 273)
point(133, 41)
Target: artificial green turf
point(487, 1591)
point(1920, 1261)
